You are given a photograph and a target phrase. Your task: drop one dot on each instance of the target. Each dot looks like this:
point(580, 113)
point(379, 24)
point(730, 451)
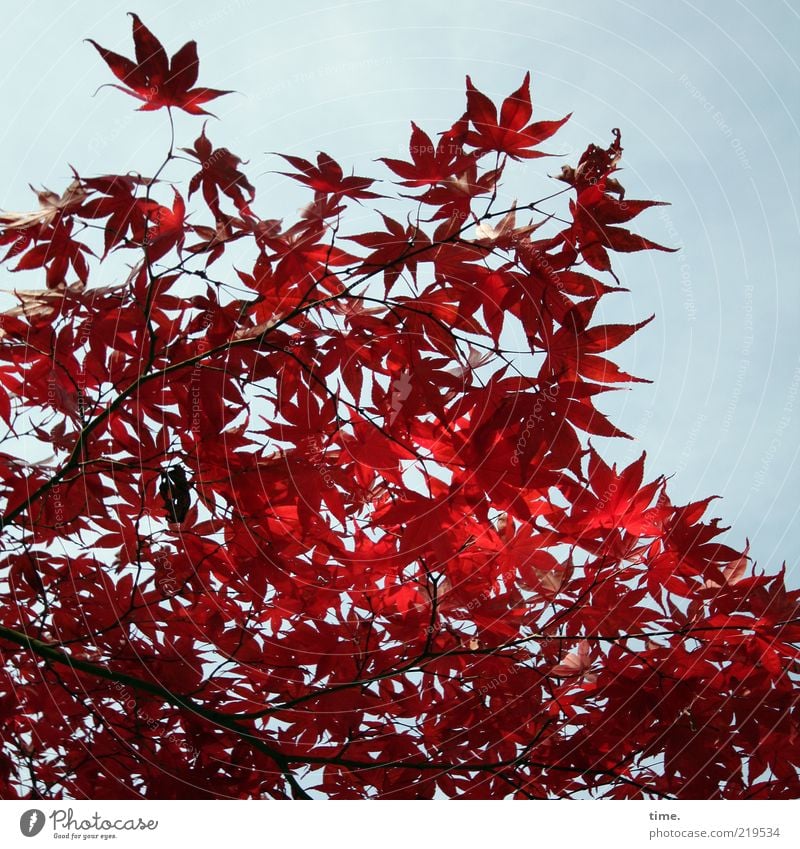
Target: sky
point(705, 95)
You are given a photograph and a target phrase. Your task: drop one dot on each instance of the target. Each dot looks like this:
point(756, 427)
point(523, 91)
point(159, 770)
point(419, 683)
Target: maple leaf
point(116, 200)
point(455, 195)
point(42, 238)
point(52, 207)
point(594, 168)
point(57, 251)
point(299, 255)
point(510, 133)
point(213, 240)
point(593, 239)
point(156, 80)
point(595, 210)
point(394, 249)
point(574, 350)
point(166, 228)
point(327, 178)
point(219, 171)
point(430, 163)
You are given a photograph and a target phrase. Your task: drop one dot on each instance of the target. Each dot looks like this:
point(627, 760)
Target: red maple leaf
point(511, 133)
point(166, 228)
point(219, 172)
point(115, 199)
point(327, 177)
point(431, 163)
point(156, 80)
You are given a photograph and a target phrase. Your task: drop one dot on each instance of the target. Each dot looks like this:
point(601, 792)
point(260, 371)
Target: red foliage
point(315, 526)
point(156, 80)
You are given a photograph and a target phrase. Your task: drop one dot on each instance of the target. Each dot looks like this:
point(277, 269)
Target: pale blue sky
point(706, 97)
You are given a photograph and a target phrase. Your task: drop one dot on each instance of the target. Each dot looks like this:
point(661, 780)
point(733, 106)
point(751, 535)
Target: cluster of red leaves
point(314, 528)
